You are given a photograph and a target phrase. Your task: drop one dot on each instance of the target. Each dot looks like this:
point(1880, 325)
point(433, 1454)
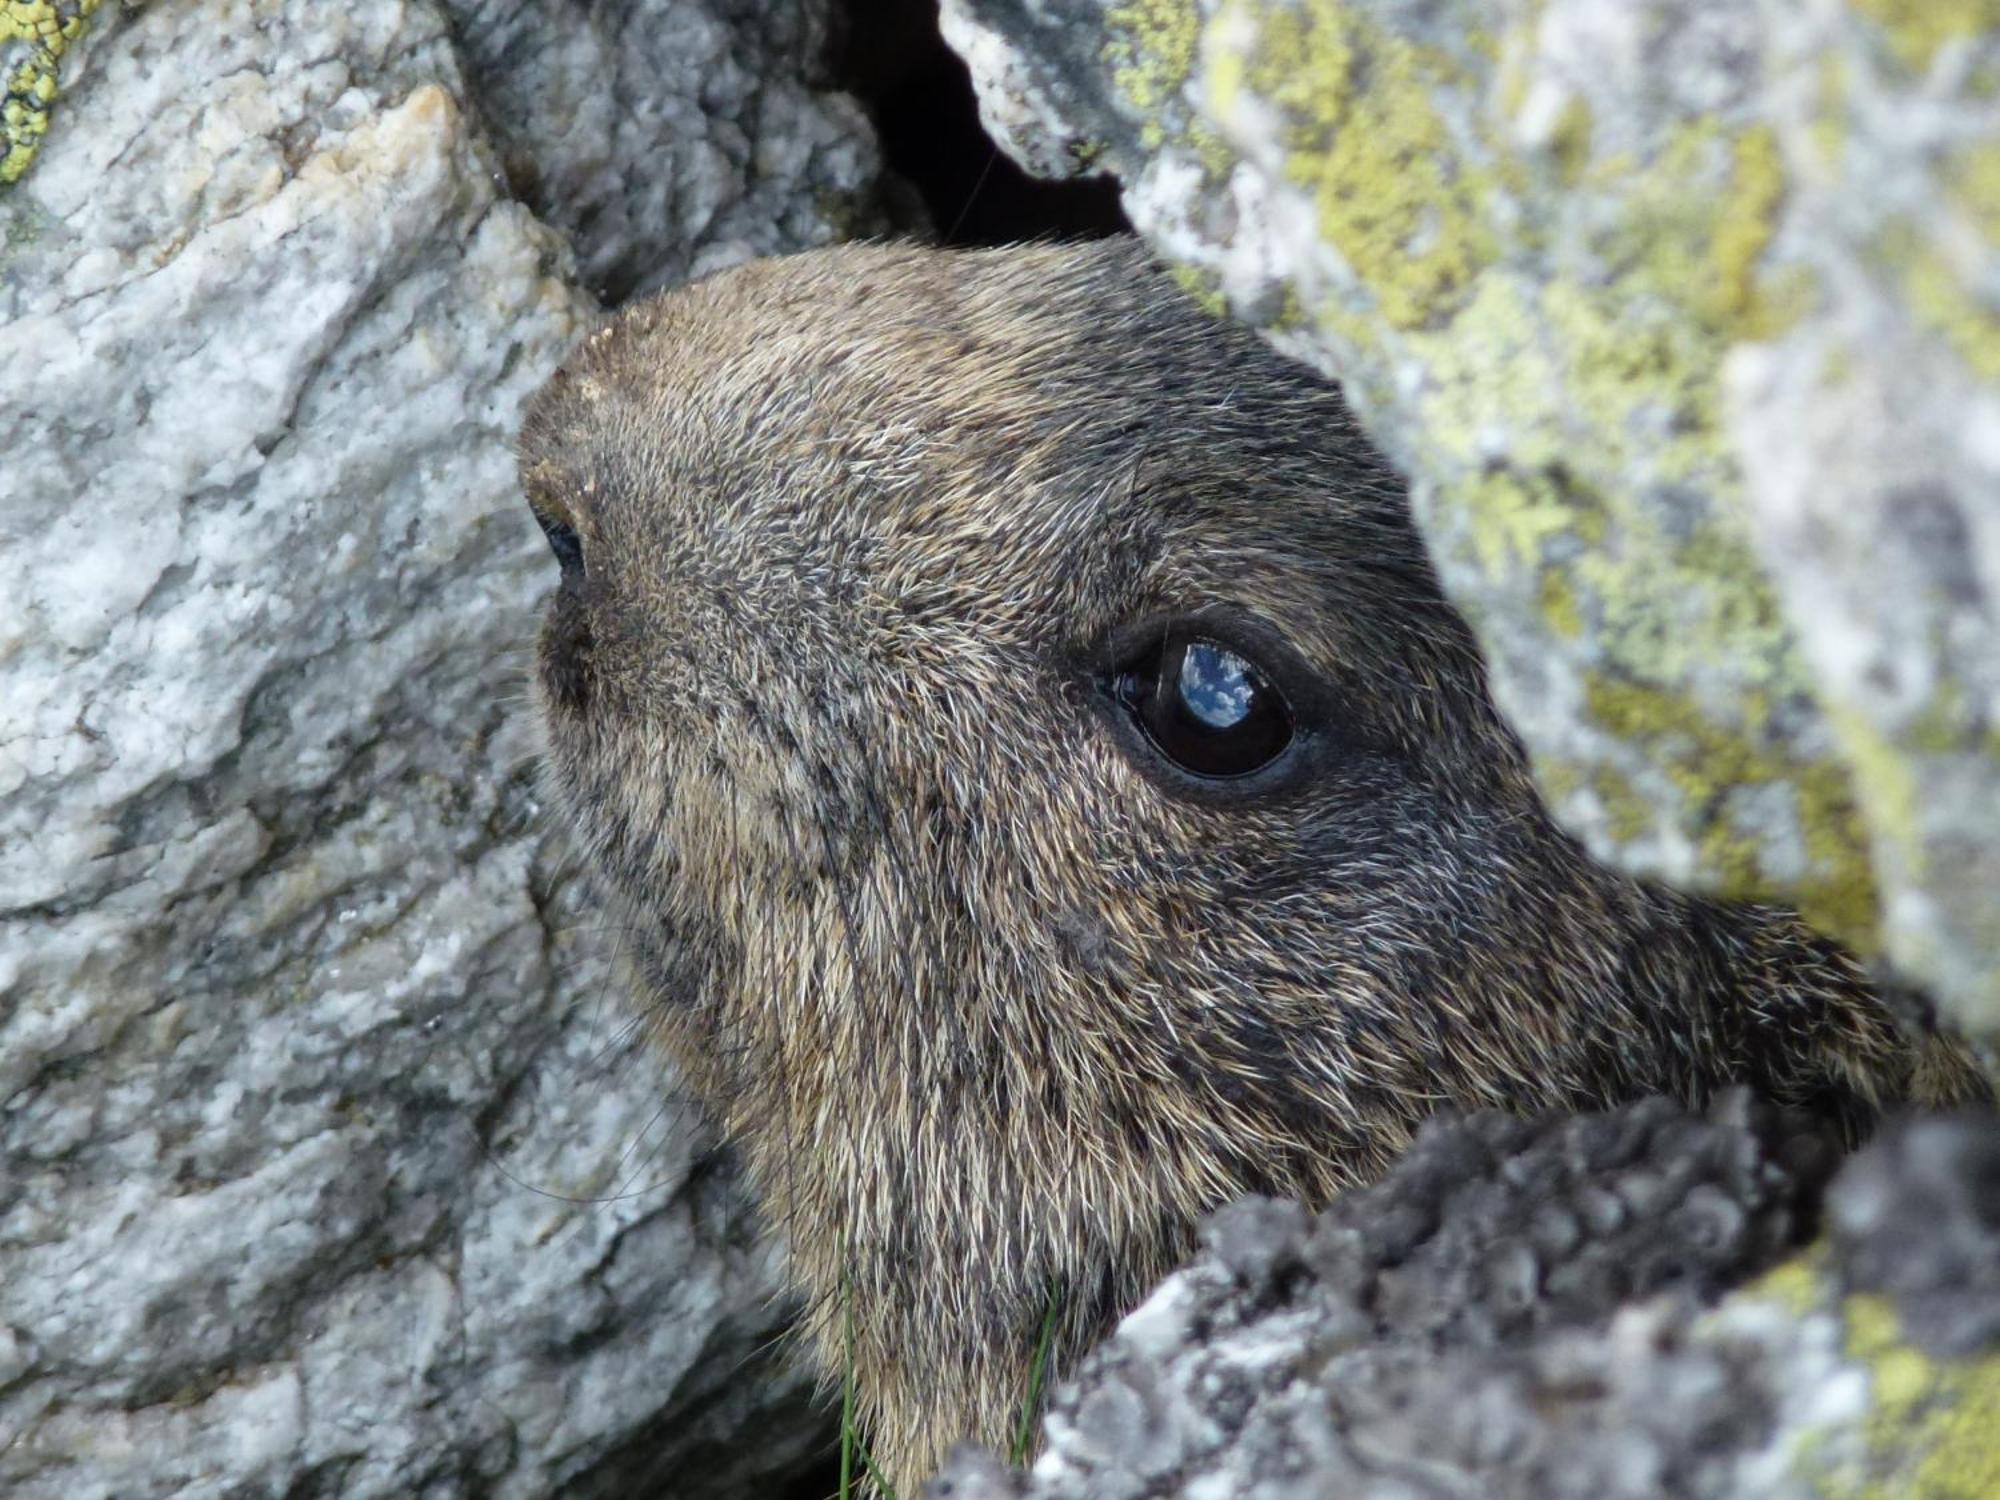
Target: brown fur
point(991, 1006)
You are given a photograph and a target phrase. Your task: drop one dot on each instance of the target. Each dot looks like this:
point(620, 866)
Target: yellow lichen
point(1793, 1284)
point(1570, 143)
point(1565, 370)
point(1395, 195)
point(1828, 130)
point(1628, 813)
point(1500, 327)
point(1694, 225)
point(1666, 608)
point(1929, 1428)
point(1887, 787)
point(1972, 182)
point(1940, 301)
point(1916, 29)
point(1150, 45)
point(1745, 220)
point(1933, 1430)
point(1559, 605)
point(1637, 376)
point(1942, 293)
point(1516, 513)
point(1706, 759)
point(34, 35)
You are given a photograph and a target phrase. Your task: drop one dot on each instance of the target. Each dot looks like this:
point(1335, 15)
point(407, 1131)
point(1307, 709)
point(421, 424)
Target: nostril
point(563, 541)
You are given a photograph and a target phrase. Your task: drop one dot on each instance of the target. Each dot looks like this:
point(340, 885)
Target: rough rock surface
point(34, 36)
point(1682, 316)
point(671, 139)
point(1479, 1324)
point(326, 1161)
point(1918, 1217)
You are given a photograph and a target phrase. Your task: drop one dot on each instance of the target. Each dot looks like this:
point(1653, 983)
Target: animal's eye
point(1205, 706)
point(564, 542)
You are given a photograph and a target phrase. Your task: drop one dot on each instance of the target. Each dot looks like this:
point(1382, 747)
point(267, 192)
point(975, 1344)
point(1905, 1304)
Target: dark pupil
point(1207, 709)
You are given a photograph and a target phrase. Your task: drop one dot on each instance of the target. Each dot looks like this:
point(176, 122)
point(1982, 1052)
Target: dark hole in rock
point(889, 55)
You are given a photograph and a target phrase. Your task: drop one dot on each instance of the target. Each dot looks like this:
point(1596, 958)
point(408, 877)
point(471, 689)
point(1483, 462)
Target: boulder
point(1522, 1311)
point(329, 1160)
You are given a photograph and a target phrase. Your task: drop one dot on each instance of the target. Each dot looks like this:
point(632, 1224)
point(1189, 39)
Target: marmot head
point(1049, 796)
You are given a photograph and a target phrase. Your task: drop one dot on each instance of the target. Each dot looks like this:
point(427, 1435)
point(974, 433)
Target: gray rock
point(328, 1162)
point(1917, 1217)
point(1681, 316)
point(670, 138)
point(1527, 1310)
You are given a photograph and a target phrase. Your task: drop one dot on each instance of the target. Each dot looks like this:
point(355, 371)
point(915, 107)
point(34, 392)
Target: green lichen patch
point(1396, 194)
point(1914, 837)
point(1204, 287)
point(34, 35)
point(1570, 144)
point(1927, 1429)
point(1709, 760)
point(1693, 227)
point(1939, 299)
point(1935, 1429)
point(1596, 369)
point(1888, 783)
point(1943, 257)
point(1607, 388)
point(1915, 29)
point(1745, 219)
point(1150, 47)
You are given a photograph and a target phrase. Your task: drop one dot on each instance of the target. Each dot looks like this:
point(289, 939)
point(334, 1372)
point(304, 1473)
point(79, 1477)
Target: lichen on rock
point(1525, 1311)
point(34, 35)
point(1678, 318)
point(326, 1165)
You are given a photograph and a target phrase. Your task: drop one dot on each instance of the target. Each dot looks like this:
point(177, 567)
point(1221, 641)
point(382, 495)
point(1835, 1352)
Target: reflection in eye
point(1216, 685)
point(1205, 708)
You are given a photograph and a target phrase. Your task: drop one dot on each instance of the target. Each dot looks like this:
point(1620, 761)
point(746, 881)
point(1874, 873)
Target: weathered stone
point(328, 1163)
point(669, 138)
point(1681, 316)
point(1917, 1217)
point(1375, 1355)
point(34, 37)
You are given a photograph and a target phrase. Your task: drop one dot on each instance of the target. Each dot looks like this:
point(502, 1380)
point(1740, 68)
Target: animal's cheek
point(1084, 938)
point(566, 656)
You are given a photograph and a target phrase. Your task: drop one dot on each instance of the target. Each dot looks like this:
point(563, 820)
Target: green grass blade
point(848, 1440)
point(884, 1489)
point(1031, 1401)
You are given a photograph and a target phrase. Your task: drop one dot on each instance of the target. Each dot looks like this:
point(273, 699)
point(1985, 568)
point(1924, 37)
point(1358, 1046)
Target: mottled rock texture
point(1683, 317)
point(1516, 1311)
point(34, 36)
point(669, 139)
point(327, 1163)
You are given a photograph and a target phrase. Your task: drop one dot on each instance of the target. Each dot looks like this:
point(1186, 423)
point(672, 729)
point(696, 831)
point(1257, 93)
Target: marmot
point(1048, 796)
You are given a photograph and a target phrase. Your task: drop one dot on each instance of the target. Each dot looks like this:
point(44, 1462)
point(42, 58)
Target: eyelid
point(1156, 706)
point(1320, 726)
point(1166, 682)
point(544, 485)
